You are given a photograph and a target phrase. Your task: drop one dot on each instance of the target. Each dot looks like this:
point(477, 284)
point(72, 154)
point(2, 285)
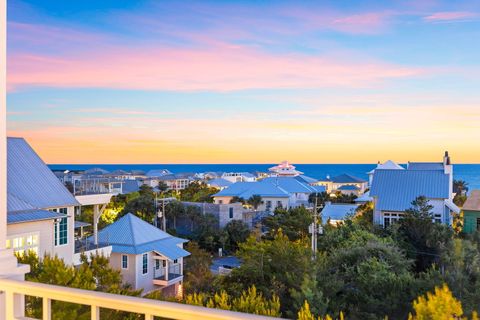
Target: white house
point(394, 190)
point(344, 183)
point(284, 169)
point(336, 213)
point(239, 177)
point(275, 192)
point(147, 257)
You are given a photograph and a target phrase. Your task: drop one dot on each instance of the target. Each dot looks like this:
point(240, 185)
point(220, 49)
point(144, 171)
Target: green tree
point(255, 201)
point(198, 192)
point(293, 223)
point(364, 215)
point(460, 186)
point(237, 199)
point(273, 266)
point(142, 206)
point(162, 186)
point(198, 277)
point(420, 236)
point(173, 211)
point(236, 232)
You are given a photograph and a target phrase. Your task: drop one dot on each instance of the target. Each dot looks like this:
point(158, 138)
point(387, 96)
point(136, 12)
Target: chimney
point(448, 169)
point(446, 159)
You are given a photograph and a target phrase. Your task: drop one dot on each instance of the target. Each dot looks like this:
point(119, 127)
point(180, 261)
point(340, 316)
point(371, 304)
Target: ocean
point(467, 172)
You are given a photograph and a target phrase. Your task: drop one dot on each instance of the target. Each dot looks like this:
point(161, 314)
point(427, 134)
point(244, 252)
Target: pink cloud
point(450, 16)
point(220, 68)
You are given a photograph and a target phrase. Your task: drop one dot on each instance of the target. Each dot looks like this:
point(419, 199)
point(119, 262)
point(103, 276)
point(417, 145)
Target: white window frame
point(25, 247)
point(145, 255)
point(126, 256)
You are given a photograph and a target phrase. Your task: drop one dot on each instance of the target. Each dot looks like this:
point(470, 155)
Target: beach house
point(344, 183)
point(147, 257)
point(394, 190)
point(336, 213)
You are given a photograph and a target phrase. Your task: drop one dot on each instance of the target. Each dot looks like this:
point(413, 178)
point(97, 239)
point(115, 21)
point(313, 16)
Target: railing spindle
point(95, 313)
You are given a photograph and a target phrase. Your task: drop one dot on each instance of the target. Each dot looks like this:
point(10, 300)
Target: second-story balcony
point(89, 247)
point(166, 276)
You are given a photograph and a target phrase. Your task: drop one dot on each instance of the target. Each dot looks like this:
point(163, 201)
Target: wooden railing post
point(9, 305)
point(46, 309)
point(95, 313)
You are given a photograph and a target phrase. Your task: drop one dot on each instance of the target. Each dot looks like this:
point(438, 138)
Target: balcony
point(97, 300)
point(89, 248)
point(162, 278)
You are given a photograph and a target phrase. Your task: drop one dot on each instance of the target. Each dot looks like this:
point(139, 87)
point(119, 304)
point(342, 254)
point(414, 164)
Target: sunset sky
point(245, 81)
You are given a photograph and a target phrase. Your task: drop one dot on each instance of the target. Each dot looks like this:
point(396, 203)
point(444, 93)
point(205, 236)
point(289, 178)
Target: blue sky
point(245, 81)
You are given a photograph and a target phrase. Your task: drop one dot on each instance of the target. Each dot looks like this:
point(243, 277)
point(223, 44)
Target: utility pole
point(315, 228)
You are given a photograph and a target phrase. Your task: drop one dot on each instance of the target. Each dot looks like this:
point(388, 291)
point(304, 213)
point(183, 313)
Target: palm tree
point(460, 186)
point(255, 200)
point(236, 199)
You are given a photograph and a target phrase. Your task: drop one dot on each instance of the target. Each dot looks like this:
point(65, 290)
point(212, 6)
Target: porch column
point(96, 216)
point(166, 269)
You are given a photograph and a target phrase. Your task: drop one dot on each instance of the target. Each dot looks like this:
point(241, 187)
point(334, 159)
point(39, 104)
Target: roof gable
point(31, 184)
point(346, 178)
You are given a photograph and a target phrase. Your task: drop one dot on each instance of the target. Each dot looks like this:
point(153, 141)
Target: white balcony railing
point(97, 300)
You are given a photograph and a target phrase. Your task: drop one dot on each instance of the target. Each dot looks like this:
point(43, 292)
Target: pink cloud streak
point(220, 68)
point(450, 16)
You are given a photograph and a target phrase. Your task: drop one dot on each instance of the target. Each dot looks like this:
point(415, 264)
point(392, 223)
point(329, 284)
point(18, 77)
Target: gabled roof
point(132, 235)
point(290, 184)
point(346, 178)
point(364, 198)
point(31, 184)
point(219, 182)
point(306, 179)
point(32, 215)
point(95, 171)
point(425, 166)
point(396, 189)
point(247, 189)
point(473, 201)
point(338, 211)
point(130, 186)
point(388, 165)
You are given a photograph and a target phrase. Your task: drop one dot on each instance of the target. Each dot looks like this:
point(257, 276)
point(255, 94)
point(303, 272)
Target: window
point(61, 228)
point(164, 263)
point(279, 204)
point(124, 261)
point(390, 218)
point(175, 261)
point(230, 213)
point(23, 243)
point(269, 204)
point(157, 264)
point(478, 223)
point(437, 218)
point(145, 263)
point(220, 201)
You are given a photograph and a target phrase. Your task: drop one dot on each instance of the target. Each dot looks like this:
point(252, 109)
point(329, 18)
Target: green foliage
point(237, 199)
point(249, 301)
point(235, 232)
point(460, 186)
point(255, 201)
point(162, 186)
point(423, 239)
point(198, 277)
point(293, 223)
point(273, 266)
point(142, 206)
point(364, 216)
point(198, 192)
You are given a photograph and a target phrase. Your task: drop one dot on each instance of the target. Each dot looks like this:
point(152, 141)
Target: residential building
point(394, 190)
point(471, 212)
point(174, 181)
point(239, 177)
point(364, 198)
point(276, 192)
point(338, 183)
point(225, 212)
point(147, 257)
point(284, 169)
point(336, 213)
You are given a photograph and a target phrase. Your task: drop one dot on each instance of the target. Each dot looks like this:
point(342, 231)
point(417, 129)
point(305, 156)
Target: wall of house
point(224, 213)
point(470, 221)
point(145, 281)
point(129, 274)
point(43, 228)
point(66, 251)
